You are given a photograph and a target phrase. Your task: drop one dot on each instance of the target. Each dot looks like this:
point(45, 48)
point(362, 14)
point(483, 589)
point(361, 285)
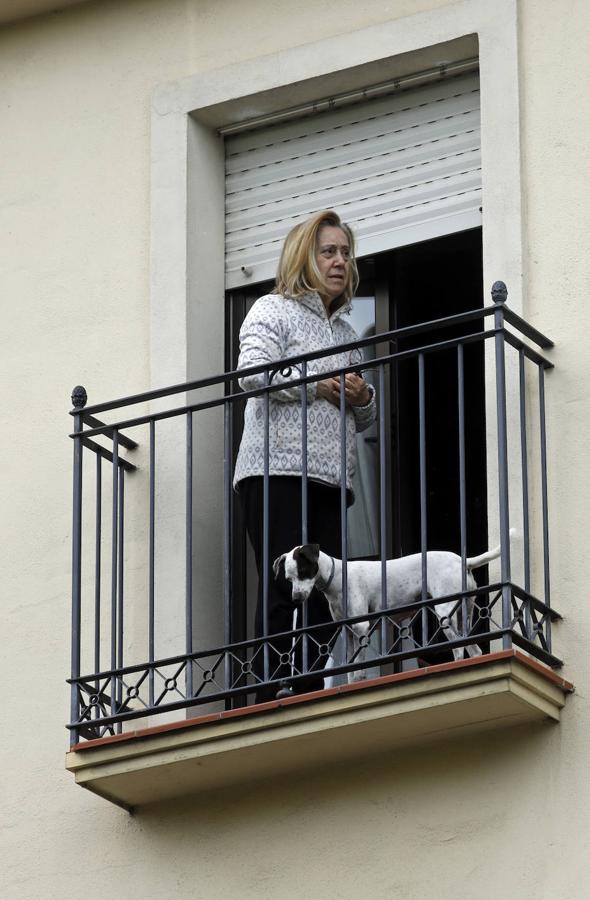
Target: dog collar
point(323, 586)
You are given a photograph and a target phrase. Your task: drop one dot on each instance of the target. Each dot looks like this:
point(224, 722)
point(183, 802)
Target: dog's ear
point(306, 558)
point(311, 552)
point(276, 566)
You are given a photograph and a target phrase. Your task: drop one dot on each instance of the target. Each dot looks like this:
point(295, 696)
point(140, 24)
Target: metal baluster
point(188, 601)
point(462, 485)
point(499, 295)
point(151, 562)
point(423, 495)
point(114, 560)
point(120, 587)
point(227, 538)
point(76, 577)
point(383, 506)
point(97, 566)
point(525, 486)
point(265, 528)
point(343, 520)
point(545, 506)
point(305, 610)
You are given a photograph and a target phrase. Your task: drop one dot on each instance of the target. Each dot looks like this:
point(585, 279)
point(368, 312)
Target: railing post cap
point(79, 397)
point(499, 292)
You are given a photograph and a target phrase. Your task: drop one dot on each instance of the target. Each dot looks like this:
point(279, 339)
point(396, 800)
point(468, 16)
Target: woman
point(316, 279)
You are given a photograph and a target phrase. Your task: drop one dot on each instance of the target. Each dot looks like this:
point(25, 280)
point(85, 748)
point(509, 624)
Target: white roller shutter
point(399, 169)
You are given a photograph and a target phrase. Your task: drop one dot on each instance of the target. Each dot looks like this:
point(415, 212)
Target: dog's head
point(300, 567)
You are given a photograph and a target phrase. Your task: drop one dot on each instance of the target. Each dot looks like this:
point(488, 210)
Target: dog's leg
point(448, 622)
point(472, 649)
point(357, 652)
point(350, 652)
point(449, 580)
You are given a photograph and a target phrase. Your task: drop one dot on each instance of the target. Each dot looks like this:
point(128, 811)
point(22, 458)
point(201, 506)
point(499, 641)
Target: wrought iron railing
point(118, 673)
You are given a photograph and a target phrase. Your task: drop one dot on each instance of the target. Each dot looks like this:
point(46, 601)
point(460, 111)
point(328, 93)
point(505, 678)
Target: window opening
point(402, 287)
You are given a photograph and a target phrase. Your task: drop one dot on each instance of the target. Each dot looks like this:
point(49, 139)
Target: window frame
point(187, 197)
point(187, 157)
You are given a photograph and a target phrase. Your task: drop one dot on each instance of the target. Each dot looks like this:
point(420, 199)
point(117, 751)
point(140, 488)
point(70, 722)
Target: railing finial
point(499, 292)
point(79, 397)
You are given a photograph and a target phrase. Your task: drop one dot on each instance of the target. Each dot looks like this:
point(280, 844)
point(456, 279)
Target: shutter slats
point(357, 188)
point(397, 169)
point(377, 232)
point(385, 127)
point(360, 191)
point(419, 139)
point(358, 208)
point(392, 104)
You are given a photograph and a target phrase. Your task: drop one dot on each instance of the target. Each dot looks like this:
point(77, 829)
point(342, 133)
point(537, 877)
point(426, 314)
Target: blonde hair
point(298, 272)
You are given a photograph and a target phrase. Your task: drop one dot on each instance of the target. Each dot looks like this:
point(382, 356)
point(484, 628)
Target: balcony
point(165, 668)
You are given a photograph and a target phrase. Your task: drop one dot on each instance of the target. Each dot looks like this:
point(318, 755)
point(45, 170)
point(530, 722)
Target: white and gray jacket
point(278, 327)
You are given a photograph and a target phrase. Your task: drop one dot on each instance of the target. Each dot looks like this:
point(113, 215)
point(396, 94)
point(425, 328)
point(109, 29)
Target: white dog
point(306, 567)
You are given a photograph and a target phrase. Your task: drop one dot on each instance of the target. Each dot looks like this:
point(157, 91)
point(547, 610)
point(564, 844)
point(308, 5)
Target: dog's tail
point(475, 562)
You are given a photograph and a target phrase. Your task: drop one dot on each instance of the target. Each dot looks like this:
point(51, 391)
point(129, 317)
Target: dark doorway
point(409, 285)
point(430, 281)
point(424, 282)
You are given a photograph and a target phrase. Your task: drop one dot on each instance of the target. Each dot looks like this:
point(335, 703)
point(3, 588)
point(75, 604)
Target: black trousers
point(323, 528)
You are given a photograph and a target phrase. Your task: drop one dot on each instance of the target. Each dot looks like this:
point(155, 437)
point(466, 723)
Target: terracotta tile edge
point(545, 671)
point(369, 684)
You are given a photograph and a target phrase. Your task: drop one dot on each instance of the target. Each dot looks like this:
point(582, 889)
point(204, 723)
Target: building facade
point(127, 269)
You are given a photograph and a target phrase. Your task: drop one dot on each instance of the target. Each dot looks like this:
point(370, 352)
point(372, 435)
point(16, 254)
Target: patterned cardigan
point(275, 328)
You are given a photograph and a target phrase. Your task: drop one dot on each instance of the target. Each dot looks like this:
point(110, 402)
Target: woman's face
point(332, 256)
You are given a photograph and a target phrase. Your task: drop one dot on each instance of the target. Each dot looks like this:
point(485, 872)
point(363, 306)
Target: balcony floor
point(339, 724)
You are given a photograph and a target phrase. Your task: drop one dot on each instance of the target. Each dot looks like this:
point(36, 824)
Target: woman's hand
point(329, 389)
point(356, 390)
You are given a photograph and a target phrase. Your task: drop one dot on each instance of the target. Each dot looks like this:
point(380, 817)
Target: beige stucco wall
point(504, 815)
